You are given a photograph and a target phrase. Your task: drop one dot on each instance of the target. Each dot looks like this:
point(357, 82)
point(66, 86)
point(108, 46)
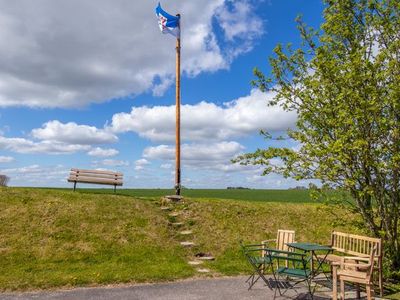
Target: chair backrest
point(283, 237)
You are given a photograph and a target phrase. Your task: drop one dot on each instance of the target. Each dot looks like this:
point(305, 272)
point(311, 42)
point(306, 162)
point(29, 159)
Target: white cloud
point(206, 121)
point(22, 145)
point(6, 159)
point(70, 53)
point(100, 152)
point(112, 163)
point(141, 163)
point(58, 138)
point(197, 155)
point(166, 166)
point(239, 21)
point(36, 175)
point(240, 25)
point(73, 133)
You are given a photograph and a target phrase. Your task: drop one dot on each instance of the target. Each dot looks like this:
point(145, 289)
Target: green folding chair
point(292, 267)
point(257, 263)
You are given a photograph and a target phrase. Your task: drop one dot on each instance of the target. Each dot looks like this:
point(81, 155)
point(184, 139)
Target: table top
point(309, 247)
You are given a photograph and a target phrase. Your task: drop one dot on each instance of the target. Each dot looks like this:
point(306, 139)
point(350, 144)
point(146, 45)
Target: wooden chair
point(280, 243)
point(351, 270)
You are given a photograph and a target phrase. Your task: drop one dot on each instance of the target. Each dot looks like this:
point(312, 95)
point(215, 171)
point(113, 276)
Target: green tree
point(344, 84)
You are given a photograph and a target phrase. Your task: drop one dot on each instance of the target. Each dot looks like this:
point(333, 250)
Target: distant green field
point(292, 196)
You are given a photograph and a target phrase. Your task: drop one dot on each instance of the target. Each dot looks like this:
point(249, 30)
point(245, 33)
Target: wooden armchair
point(283, 237)
point(351, 269)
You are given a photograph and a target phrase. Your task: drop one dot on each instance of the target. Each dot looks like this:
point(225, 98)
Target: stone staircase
point(174, 207)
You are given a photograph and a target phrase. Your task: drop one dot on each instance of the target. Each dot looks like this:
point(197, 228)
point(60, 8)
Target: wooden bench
point(359, 246)
point(96, 177)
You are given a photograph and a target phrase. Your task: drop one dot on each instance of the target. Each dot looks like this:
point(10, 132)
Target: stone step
point(186, 232)
point(187, 244)
point(204, 256)
point(174, 198)
point(174, 214)
point(203, 270)
point(165, 208)
point(177, 224)
point(195, 262)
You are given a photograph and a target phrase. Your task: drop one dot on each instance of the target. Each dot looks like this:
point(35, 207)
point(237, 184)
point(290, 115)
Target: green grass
point(58, 238)
point(292, 196)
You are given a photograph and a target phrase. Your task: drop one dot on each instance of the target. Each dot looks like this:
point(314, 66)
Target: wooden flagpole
point(178, 115)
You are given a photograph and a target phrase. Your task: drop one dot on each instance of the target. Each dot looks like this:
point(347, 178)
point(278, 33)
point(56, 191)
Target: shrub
point(4, 180)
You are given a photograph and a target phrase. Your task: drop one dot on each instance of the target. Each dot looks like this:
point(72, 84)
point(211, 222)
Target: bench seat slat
point(95, 180)
point(110, 176)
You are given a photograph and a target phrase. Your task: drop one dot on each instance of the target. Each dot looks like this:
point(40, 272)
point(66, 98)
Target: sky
point(91, 85)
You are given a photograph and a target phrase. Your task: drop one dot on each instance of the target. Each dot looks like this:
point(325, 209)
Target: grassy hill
point(292, 196)
point(53, 238)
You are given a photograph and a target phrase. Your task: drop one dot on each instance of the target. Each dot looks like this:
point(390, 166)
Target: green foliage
point(344, 85)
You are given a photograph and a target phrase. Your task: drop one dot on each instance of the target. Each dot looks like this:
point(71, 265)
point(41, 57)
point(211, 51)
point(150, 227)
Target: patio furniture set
point(349, 258)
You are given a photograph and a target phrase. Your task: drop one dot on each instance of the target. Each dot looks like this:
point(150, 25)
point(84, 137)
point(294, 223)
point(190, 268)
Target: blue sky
point(90, 84)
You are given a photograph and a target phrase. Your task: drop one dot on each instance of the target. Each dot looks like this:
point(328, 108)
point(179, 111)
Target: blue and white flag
point(167, 23)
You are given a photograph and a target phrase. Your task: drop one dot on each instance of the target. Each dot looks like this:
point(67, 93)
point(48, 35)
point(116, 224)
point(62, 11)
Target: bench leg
point(115, 188)
point(74, 186)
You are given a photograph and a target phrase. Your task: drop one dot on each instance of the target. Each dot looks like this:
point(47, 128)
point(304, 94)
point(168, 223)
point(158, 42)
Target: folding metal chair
point(257, 262)
point(296, 269)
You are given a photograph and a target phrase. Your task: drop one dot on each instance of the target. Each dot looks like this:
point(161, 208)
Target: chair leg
point(342, 289)
point(334, 285)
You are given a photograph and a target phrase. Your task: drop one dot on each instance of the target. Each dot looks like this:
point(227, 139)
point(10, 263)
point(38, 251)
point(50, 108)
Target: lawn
point(292, 196)
point(58, 238)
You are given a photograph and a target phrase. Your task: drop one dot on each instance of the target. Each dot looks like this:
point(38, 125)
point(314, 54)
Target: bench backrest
point(356, 245)
point(96, 176)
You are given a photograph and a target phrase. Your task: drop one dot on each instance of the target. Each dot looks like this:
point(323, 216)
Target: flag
point(167, 23)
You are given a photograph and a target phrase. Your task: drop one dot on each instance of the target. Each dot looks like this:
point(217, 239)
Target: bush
point(4, 180)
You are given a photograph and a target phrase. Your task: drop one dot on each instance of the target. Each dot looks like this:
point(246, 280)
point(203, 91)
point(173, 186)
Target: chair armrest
point(358, 266)
point(356, 258)
point(266, 242)
point(283, 252)
point(252, 245)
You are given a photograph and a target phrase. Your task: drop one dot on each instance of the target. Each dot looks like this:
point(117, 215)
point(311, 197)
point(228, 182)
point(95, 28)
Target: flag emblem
point(167, 22)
